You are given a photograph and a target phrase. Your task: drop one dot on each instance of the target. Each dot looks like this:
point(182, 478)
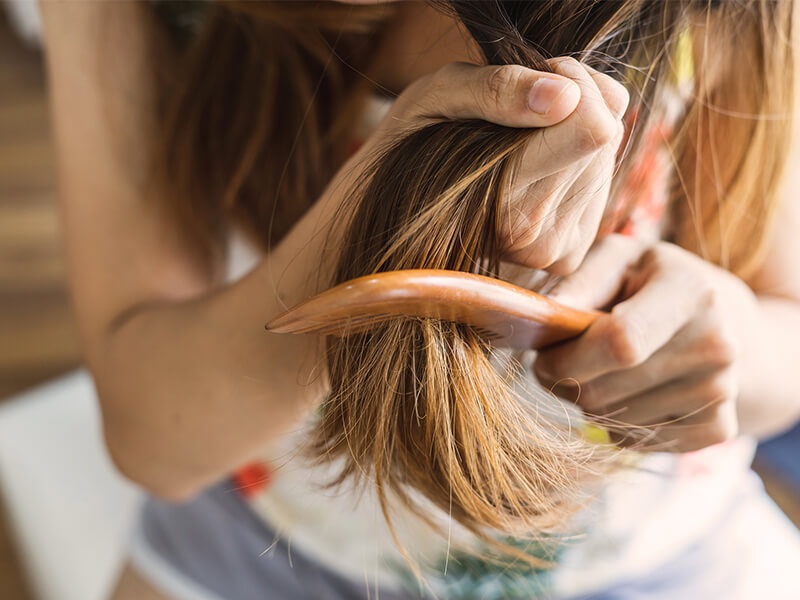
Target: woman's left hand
point(665, 362)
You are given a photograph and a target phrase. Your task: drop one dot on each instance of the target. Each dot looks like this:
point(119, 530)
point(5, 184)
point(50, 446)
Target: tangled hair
point(427, 409)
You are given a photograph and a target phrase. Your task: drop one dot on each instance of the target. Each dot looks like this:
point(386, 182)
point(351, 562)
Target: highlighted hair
point(426, 408)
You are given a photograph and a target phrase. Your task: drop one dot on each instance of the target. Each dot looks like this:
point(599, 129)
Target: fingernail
point(544, 93)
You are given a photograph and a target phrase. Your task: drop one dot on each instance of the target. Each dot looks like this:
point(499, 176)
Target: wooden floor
point(36, 331)
point(34, 311)
point(37, 338)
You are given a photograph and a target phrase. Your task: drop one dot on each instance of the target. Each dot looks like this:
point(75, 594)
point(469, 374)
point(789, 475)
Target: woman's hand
point(561, 189)
point(666, 361)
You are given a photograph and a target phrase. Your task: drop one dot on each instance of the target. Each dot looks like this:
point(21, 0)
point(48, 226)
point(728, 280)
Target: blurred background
point(37, 336)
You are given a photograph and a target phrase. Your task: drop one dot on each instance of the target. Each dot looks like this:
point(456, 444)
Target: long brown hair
point(256, 120)
point(424, 406)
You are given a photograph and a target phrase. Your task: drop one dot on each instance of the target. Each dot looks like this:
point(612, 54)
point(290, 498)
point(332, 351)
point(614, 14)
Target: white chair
point(69, 510)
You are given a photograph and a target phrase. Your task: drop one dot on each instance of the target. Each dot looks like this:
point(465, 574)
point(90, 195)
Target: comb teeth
point(486, 333)
point(355, 325)
point(327, 325)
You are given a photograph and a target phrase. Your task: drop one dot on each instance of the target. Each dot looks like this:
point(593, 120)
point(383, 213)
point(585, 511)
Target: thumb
point(509, 95)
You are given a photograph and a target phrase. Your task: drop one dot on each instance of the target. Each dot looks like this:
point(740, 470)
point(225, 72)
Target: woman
point(180, 359)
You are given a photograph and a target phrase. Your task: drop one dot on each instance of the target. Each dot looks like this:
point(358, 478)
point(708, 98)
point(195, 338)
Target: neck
point(418, 41)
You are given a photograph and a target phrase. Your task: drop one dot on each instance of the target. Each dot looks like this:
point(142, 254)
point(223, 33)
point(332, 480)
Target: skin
point(678, 368)
point(173, 350)
point(689, 355)
point(180, 359)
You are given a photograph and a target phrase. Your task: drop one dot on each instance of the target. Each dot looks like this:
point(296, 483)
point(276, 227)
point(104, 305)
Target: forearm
point(769, 400)
point(190, 384)
point(191, 390)
point(769, 397)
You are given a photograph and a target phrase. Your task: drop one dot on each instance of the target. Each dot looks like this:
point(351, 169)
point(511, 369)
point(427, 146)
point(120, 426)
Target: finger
point(594, 123)
point(509, 95)
point(560, 235)
point(715, 424)
point(693, 351)
point(564, 153)
point(633, 331)
point(584, 234)
point(614, 93)
point(544, 207)
point(590, 128)
point(673, 400)
point(599, 279)
point(589, 199)
point(533, 223)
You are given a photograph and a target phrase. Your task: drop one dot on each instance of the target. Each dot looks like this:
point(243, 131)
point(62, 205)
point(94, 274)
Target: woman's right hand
point(562, 188)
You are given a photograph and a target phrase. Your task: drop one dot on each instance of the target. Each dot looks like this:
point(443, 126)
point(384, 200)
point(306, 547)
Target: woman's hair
point(259, 110)
point(426, 409)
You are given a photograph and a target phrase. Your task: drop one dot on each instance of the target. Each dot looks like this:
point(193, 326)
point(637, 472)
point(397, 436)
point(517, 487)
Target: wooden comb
point(506, 314)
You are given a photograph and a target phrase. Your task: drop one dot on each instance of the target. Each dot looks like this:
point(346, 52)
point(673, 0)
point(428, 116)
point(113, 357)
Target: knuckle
point(614, 93)
point(598, 131)
point(425, 88)
point(500, 86)
point(720, 349)
point(421, 85)
point(717, 389)
point(437, 90)
point(442, 81)
point(436, 87)
point(564, 62)
point(624, 342)
point(621, 96)
point(523, 235)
